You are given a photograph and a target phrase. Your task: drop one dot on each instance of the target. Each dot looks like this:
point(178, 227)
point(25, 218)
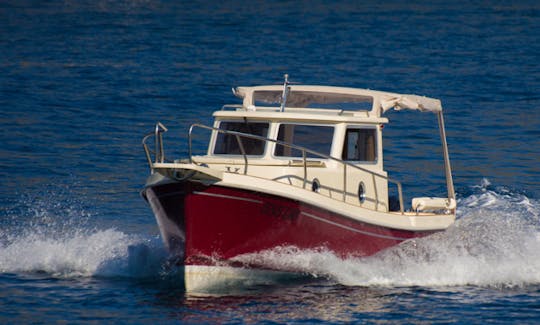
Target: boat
point(291, 166)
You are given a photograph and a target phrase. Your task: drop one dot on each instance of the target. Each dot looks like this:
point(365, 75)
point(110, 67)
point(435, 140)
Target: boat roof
point(312, 96)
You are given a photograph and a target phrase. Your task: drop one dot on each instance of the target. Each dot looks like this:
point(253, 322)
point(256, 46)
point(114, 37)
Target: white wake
point(494, 242)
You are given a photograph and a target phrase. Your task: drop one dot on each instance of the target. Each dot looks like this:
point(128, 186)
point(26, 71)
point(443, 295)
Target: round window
point(361, 192)
point(315, 185)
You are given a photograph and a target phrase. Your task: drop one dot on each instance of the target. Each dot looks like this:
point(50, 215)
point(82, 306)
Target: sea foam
point(54, 235)
point(494, 242)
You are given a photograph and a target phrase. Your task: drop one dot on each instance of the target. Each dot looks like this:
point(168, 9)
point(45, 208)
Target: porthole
point(361, 192)
point(315, 185)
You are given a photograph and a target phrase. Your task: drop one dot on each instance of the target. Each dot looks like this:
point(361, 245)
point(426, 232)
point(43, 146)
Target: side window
point(314, 137)
point(360, 145)
point(227, 144)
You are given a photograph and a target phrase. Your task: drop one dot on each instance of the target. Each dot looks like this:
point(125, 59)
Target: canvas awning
point(414, 102)
point(307, 95)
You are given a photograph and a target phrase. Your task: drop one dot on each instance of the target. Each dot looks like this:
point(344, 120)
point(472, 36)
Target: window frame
point(285, 157)
point(218, 134)
point(376, 144)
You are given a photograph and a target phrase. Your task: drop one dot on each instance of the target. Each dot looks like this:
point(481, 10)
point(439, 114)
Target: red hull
point(219, 223)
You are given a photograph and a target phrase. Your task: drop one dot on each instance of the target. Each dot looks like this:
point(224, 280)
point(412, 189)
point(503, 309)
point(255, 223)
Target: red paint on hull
point(221, 223)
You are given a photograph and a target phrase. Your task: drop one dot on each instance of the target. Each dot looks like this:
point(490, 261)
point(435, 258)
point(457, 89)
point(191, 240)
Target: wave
point(106, 253)
point(53, 234)
point(494, 242)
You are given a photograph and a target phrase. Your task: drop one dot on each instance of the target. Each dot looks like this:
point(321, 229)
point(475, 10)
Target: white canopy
point(300, 96)
point(411, 102)
point(306, 95)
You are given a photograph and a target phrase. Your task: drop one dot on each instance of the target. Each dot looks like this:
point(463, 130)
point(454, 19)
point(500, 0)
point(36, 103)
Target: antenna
point(286, 90)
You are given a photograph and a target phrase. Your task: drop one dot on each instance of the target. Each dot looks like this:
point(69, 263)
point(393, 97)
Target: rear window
point(314, 137)
point(227, 144)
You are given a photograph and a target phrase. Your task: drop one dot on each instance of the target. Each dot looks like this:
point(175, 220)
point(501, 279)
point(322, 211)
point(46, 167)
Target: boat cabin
point(327, 139)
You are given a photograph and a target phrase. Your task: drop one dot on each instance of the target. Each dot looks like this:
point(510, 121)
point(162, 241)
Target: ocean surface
point(81, 82)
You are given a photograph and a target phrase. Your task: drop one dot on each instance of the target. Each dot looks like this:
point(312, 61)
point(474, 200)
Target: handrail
point(159, 151)
point(304, 150)
point(146, 150)
point(243, 151)
point(235, 106)
point(159, 130)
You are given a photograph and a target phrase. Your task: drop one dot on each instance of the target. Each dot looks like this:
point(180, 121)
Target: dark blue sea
point(81, 82)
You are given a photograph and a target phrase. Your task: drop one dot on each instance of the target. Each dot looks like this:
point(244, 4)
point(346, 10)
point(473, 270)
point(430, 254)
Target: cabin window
point(314, 137)
point(227, 144)
point(360, 145)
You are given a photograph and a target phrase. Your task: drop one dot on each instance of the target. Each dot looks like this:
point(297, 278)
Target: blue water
point(82, 81)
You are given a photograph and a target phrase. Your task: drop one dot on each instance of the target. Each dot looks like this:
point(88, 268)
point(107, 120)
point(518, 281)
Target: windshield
point(314, 137)
point(227, 144)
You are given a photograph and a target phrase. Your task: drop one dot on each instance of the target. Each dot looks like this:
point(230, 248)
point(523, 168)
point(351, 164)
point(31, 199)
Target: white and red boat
point(292, 166)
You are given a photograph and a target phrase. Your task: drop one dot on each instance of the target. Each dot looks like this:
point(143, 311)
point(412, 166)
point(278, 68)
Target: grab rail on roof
point(231, 106)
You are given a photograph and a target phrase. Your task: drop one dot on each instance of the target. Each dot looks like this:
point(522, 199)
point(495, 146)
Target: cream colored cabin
point(312, 118)
point(355, 140)
point(318, 145)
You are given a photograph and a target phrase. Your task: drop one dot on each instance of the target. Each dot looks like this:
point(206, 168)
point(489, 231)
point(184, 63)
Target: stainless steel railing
point(159, 154)
point(305, 151)
point(159, 151)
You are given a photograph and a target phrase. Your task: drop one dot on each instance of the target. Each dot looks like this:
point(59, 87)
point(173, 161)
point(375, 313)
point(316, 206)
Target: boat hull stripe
point(228, 197)
point(350, 228)
point(305, 214)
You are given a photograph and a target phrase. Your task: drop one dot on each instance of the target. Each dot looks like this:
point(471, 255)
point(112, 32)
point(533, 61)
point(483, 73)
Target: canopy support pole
point(447, 168)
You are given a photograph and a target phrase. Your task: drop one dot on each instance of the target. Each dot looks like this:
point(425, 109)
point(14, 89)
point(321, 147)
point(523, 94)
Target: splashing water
point(494, 242)
point(54, 236)
point(107, 253)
